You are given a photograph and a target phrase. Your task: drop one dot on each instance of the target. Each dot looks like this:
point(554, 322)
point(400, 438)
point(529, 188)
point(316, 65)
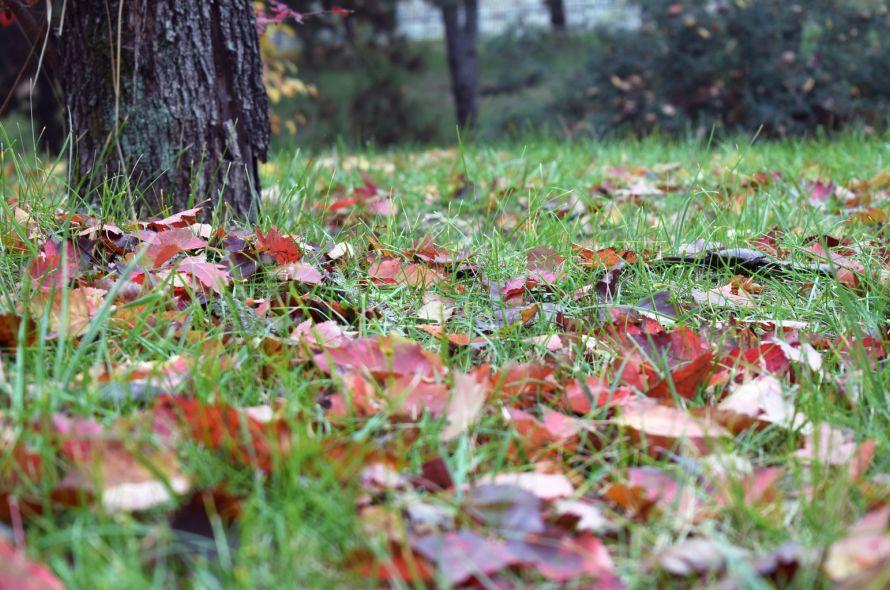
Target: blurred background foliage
point(356, 72)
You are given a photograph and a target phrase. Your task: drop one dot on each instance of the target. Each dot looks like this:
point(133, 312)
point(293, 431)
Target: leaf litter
point(629, 414)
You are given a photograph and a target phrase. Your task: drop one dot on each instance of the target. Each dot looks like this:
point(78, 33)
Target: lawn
point(345, 393)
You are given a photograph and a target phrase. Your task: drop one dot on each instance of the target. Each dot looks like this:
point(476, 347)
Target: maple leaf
point(535, 436)
point(439, 333)
point(464, 554)
point(282, 248)
point(165, 245)
point(327, 334)
point(835, 447)
point(508, 508)
point(547, 486)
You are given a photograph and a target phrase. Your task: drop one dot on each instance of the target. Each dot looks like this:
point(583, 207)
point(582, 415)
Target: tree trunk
point(167, 97)
point(461, 20)
point(557, 14)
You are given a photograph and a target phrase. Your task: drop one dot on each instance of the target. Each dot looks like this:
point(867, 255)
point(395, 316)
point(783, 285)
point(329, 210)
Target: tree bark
point(166, 97)
point(461, 20)
point(557, 14)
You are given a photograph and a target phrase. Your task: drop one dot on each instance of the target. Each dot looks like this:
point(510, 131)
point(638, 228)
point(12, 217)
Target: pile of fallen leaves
point(666, 392)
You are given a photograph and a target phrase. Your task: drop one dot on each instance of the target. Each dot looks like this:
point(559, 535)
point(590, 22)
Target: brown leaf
point(125, 476)
point(83, 304)
point(455, 339)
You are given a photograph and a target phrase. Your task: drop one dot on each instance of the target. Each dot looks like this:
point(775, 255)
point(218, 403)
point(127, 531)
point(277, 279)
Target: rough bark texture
point(190, 121)
point(461, 20)
point(557, 14)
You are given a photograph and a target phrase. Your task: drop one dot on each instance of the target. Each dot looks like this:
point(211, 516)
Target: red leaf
point(7, 17)
point(165, 245)
point(53, 270)
point(684, 380)
point(222, 427)
point(17, 572)
point(381, 357)
point(579, 394)
point(282, 248)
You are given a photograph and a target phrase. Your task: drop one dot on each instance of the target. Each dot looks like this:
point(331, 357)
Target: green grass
point(299, 525)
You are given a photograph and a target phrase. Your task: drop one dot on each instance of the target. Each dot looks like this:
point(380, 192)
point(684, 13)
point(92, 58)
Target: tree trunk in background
point(190, 116)
point(461, 20)
point(557, 14)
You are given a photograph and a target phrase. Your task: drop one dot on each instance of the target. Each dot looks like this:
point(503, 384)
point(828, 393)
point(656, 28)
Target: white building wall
point(420, 20)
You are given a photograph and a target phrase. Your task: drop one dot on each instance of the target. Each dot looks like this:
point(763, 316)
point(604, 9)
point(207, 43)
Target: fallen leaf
point(661, 428)
point(834, 447)
point(547, 486)
point(463, 555)
point(17, 572)
point(468, 395)
point(209, 275)
point(507, 508)
point(165, 245)
point(282, 248)
point(394, 271)
point(693, 556)
point(866, 546)
point(299, 272)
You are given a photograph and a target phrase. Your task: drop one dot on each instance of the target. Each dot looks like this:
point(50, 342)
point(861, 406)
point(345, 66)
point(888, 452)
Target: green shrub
point(788, 67)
